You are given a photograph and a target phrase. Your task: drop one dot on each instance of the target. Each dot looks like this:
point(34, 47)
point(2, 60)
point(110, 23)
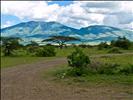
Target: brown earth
point(24, 82)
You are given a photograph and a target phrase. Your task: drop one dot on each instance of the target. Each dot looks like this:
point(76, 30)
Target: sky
point(74, 14)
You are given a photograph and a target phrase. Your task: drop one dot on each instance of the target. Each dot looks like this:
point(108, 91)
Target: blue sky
point(75, 14)
point(7, 19)
point(61, 3)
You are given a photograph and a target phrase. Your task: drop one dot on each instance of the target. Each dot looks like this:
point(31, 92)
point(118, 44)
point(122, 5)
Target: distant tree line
point(11, 46)
point(120, 42)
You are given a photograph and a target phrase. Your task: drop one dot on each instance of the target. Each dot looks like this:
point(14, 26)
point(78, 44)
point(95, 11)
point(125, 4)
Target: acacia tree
point(9, 44)
point(61, 40)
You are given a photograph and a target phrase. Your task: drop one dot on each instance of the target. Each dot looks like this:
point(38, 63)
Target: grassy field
point(122, 60)
point(89, 51)
point(109, 84)
point(13, 61)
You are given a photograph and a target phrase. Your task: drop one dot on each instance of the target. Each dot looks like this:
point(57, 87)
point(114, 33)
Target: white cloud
point(78, 14)
point(7, 24)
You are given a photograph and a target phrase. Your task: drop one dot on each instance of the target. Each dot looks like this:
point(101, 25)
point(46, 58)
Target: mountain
point(100, 33)
point(37, 30)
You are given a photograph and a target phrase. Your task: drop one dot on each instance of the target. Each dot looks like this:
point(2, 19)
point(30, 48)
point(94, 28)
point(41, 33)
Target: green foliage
point(20, 52)
point(121, 43)
point(114, 50)
point(77, 72)
point(46, 51)
point(9, 44)
point(79, 62)
point(110, 68)
point(74, 72)
point(33, 44)
point(61, 40)
point(78, 59)
point(126, 70)
point(103, 45)
point(84, 46)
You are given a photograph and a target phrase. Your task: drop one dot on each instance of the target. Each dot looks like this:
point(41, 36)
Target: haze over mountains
point(38, 30)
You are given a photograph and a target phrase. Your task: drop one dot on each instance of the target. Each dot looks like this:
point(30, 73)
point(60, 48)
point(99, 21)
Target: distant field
point(89, 51)
point(123, 59)
point(12, 61)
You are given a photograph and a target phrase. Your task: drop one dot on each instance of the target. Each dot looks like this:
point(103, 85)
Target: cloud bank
point(78, 14)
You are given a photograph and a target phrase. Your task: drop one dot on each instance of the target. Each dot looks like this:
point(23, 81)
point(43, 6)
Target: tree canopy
point(121, 42)
point(61, 40)
point(9, 44)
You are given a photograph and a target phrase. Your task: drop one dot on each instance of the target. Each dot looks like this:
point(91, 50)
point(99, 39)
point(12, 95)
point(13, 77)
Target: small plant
point(126, 70)
point(46, 51)
point(78, 61)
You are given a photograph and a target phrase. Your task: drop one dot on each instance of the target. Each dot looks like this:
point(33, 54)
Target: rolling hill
point(38, 30)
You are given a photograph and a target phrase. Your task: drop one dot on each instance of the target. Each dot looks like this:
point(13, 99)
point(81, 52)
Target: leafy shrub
point(32, 49)
point(103, 45)
point(73, 72)
point(19, 52)
point(102, 68)
point(114, 50)
point(126, 70)
point(77, 72)
point(95, 67)
point(108, 69)
point(46, 51)
point(121, 43)
point(78, 61)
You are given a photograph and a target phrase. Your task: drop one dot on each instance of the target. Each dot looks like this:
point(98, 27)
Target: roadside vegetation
point(94, 70)
point(103, 65)
point(14, 53)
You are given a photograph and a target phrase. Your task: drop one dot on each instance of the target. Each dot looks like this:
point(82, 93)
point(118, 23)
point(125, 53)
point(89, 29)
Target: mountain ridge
point(38, 30)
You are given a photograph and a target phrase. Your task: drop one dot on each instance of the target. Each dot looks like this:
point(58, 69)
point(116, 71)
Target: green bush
point(77, 71)
point(126, 70)
point(103, 45)
point(78, 61)
point(95, 68)
point(20, 52)
point(73, 72)
point(46, 51)
point(108, 69)
point(121, 42)
point(114, 50)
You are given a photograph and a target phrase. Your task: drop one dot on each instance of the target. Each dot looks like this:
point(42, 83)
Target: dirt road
point(24, 82)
